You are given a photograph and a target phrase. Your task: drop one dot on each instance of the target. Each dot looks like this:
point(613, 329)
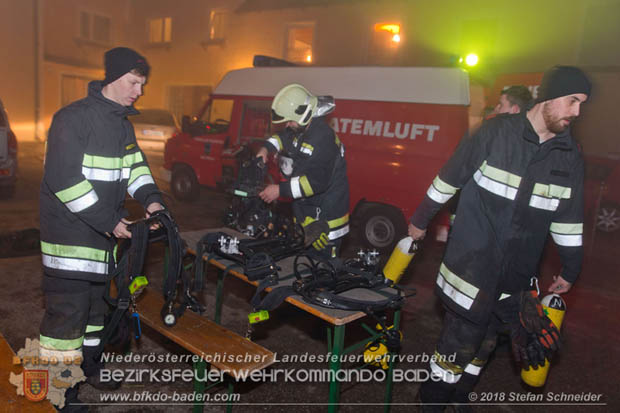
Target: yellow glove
point(321, 242)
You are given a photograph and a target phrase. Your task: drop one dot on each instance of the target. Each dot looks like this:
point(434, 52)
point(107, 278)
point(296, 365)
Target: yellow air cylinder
point(555, 308)
point(399, 260)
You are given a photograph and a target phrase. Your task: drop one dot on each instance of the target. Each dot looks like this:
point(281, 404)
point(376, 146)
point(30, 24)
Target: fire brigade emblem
point(35, 384)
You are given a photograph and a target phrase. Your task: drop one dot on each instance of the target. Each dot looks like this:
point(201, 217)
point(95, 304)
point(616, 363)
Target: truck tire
point(183, 184)
point(382, 226)
point(608, 217)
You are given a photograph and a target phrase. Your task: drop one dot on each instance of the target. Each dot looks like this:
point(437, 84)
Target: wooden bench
point(9, 400)
point(207, 339)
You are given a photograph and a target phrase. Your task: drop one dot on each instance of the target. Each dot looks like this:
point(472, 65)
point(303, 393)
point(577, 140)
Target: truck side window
point(255, 120)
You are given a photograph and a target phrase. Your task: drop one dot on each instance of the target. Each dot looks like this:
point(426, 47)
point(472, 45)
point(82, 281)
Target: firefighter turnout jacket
point(92, 161)
point(515, 191)
point(318, 184)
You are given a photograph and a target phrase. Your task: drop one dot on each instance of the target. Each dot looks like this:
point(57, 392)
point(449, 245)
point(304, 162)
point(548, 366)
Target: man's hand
point(120, 230)
point(154, 206)
point(560, 285)
point(416, 233)
point(262, 153)
point(270, 193)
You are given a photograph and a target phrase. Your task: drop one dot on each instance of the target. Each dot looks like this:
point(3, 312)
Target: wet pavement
point(584, 369)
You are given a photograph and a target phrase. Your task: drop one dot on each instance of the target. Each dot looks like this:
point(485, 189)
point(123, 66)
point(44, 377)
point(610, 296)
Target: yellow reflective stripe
point(138, 172)
point(338, 221)
point(132, 159)
point(567, 229)
point(92, 329)
point(305, 185)
point(551, 191)
point(444, 187)
point(457, 282)
point(275, 141)
point(75, 191)
point(500, 175)
point(60, 344)
point(74, 251)
point(101, 162)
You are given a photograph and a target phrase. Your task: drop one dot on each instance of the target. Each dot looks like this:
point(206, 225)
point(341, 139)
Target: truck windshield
point(218, 115)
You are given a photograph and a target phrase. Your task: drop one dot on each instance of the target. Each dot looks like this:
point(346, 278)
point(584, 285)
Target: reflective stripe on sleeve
point(305, 185)
point(276, 142)
point(296, 187)
point(139, 177)
point(440, 192)
point(567, 235)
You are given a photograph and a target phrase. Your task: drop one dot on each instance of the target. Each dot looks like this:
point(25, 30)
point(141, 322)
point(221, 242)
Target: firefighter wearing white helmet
point(316, 176)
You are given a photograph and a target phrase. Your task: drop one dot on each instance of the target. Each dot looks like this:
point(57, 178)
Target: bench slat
point(220, 347)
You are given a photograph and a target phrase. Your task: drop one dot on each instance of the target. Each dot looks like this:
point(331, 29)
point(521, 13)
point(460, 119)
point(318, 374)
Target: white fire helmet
point(293, 103)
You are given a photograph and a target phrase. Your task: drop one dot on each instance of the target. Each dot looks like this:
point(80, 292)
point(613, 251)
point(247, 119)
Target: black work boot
point(92, 366)
point(72, 403)
point(435, 395)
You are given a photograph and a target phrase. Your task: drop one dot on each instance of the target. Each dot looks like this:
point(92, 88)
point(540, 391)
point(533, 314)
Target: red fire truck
point(399, 125)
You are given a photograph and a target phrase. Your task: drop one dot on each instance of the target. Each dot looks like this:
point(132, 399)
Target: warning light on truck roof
point(393, 28)
point(471, 59)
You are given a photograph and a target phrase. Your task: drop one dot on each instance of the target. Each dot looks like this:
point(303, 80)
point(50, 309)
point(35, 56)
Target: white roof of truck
point(448, 86)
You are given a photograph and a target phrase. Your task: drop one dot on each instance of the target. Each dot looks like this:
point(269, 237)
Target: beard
point(554, 123)
point(296, 130)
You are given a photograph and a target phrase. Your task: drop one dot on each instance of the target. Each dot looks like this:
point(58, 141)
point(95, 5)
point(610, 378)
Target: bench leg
point(218, 297)
point(390, 378)
point(337, 348)
point(199, 385)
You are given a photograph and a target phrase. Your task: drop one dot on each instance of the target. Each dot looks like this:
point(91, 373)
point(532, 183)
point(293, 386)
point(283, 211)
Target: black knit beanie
point(562, 81)
point(121, 60)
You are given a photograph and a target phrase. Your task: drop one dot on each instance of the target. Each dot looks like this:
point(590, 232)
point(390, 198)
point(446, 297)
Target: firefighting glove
point(536, 322)
point(527, 349)
point(315, 233)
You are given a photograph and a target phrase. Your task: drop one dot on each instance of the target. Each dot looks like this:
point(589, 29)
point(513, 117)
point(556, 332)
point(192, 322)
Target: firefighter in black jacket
point(317, 179)
point(521, 177)
point(92, 161)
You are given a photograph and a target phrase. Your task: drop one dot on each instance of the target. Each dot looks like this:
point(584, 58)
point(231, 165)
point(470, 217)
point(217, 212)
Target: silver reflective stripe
point(549, 204)
point(446, 375)
point(568, 240)
point(474, 370)
point(503, 296)
point(456, 296)
point(83, 202)
point(295, 187)
point(339, 232)
point(437, 196)
point(440, 192)
point(495, 187)
point(275, 142)
point(567, 235)
point(459, 290)
point(74, 264)
point(91, 342)
point(107, 175)
point(139, 182)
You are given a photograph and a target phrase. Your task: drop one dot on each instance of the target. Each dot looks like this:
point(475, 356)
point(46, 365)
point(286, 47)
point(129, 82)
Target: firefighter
point(521, 177)
point(92, 161)
point(316, 174)
point(513, 99)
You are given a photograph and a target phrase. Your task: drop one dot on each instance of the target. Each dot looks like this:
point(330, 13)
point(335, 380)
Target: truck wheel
point(382, 226)
point(608, 217)
point(184, 184)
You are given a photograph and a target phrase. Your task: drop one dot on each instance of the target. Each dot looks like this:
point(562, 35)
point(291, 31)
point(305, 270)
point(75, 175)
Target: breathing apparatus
point(399, 260)
point(555, 308)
